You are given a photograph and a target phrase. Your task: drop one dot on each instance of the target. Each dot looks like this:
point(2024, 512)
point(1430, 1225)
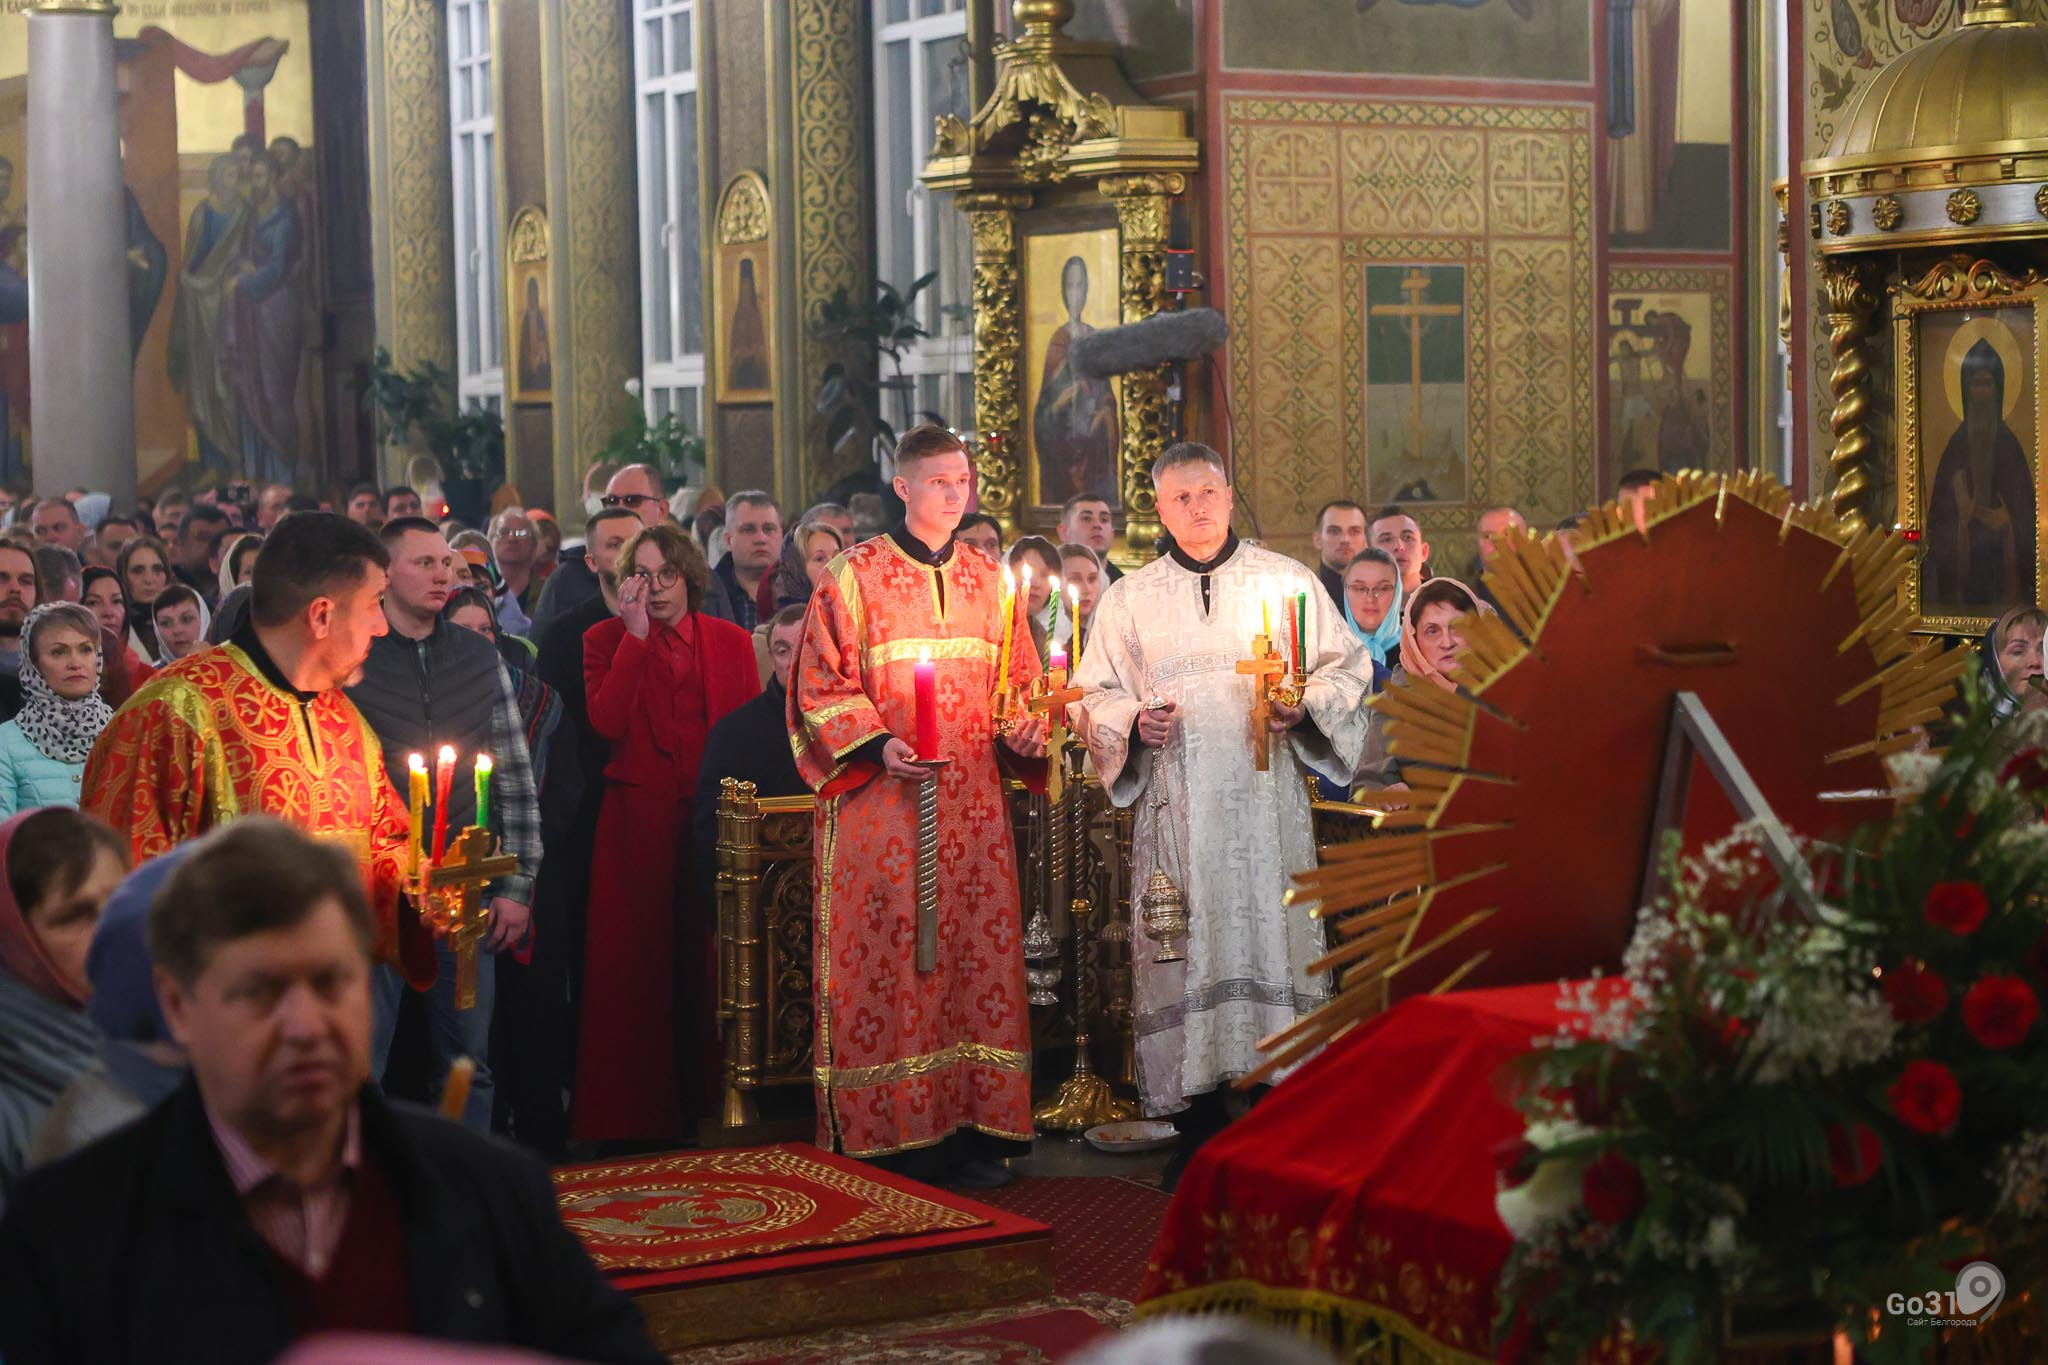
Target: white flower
point(1550, 1195)
point(1820, 1026)
point(2022, 1176)
point(1912, 770)
point(633, 387)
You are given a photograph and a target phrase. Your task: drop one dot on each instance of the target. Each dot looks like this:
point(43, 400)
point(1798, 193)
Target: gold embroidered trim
point(904, 1068)
point(825, 836)
point(841, 571)
point(1338, 1322)
point(906, 651)
point(193, 708)
point(825, 715)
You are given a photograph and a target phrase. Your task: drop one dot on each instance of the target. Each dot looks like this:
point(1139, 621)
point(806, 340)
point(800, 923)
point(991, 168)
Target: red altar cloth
point(1358, 1195)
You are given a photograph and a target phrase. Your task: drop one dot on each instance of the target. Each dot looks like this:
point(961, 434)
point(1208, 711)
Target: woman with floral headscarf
point(44, 748)
point(60, 866)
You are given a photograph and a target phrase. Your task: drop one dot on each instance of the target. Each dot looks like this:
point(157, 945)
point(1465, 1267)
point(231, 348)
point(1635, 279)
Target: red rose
point(1853, 1157)
point(1914, 993)
point(1515, 1160)
point(1958, 907)
point(2027, 770)
point(1999, 1010)
point(1612, 1188)
point(1926, 1097)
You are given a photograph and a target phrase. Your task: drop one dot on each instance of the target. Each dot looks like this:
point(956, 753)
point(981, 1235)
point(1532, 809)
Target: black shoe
point(976, 1174)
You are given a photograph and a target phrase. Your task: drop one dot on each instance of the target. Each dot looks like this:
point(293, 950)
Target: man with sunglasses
point(635, 489)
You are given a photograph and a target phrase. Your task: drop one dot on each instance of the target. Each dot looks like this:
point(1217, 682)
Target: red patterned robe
point(904, 1058)
point(210, 738)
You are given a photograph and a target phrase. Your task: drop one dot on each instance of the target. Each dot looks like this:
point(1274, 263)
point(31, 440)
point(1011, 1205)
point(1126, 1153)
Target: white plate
point(1147, 1135)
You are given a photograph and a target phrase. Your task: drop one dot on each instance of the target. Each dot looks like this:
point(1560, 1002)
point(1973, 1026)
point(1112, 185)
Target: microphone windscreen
point(1186, 335)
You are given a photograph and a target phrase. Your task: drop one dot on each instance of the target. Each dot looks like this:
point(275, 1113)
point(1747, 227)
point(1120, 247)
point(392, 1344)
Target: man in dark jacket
point(276, 1195)
point(635, 490)
point(752, 745)
point(428, 683)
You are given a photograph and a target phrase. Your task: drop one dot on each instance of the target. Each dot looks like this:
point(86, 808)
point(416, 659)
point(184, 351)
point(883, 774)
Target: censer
point(1164, 911)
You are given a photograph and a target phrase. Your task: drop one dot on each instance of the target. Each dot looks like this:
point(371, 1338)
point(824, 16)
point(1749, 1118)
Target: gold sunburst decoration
point(1517, 855)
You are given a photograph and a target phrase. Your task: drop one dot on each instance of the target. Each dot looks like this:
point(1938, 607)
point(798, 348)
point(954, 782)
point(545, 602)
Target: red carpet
point(1039, 1333)
point(1103, 1227)
point(697, 1208)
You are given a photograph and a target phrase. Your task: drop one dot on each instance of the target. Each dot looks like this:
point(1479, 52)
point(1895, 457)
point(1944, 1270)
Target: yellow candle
point(1265, 619)
point(416, 806)
point(1074, 617)
point(1009, 628)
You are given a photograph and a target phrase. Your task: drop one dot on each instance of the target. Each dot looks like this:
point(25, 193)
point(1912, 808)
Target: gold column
point(1143, 208)
point(1850, 301)
point(998, 344)
point(742, 957)
point(587, 63)
point(412, 229)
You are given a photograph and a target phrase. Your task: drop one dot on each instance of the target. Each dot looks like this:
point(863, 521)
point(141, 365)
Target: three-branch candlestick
point(448, 895)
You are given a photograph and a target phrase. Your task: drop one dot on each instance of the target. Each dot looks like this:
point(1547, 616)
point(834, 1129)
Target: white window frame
point(479, 271)
point(934, 37)
point(673, 382)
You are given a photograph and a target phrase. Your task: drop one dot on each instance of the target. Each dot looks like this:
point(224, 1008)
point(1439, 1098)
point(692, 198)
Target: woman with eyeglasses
point(515, 545)
point(1372, 608)
point(657, 677)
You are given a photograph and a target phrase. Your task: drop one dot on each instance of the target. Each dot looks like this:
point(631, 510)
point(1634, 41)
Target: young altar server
point(907, 1057)
point(1171, 731)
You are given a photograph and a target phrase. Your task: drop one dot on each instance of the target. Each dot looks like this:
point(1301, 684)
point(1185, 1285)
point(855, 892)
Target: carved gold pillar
point(1850, 299)
point(998, 345)
point(412, 204)
point(742, 952)
point(1143, 207)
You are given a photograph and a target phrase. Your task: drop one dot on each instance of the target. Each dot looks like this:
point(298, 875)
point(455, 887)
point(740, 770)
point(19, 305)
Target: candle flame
point(446, 754)
point(483, 763)
point(417, 762)
point(1055, 584)
point(924, 655)
point(1027, 576)
point(1009, 580)
point(1073, 595)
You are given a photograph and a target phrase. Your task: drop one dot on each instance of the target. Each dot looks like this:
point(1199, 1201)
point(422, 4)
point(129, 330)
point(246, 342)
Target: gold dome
point(1948, 143)
point(1981, 86)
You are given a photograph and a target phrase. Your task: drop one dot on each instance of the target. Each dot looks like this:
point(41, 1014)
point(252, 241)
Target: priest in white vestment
point(1229, 836)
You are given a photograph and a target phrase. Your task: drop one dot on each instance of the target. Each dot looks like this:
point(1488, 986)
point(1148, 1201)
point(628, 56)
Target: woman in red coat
point(659, 675)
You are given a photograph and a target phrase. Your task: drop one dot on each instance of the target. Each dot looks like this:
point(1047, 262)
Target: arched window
point(921, 71)
point(671, 229)
point(479, 272)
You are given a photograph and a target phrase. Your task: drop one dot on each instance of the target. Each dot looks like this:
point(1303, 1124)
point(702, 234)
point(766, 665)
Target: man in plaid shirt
point(428, 683)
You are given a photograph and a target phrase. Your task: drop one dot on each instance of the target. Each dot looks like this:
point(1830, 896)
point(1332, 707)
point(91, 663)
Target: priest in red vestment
point(903, 1057)
point(657, 677)
point(260, 725)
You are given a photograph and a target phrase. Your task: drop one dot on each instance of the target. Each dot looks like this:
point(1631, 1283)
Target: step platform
point(744, 1243)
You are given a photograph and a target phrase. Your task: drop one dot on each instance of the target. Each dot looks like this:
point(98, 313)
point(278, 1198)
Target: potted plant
point(418, 407)
point(669, 444)
point(884, 324)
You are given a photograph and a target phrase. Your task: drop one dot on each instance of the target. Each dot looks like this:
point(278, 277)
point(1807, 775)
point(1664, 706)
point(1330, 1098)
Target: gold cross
point(1050, 695)
point(448, 897)
point(1267, 668)
point(1415, 285)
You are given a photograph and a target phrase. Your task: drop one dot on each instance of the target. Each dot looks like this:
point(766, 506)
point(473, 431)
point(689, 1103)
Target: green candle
point(1300, 632)
point(483, 791)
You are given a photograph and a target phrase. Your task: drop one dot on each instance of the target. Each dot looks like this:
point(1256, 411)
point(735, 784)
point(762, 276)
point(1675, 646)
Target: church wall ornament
point(1318, 193)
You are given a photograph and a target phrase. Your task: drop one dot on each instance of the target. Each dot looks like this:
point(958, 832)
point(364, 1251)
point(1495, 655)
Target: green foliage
point(884, 324)
point(669, 445)
point(1749, 1066)
point(420, 405)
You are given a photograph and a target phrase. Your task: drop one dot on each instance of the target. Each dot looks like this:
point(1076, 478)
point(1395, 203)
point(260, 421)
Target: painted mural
point(1507, 40)
point(223, 241)
point(1670, 124)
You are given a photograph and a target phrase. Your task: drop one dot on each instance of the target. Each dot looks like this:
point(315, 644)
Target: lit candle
point(1265, 619)
point(416, 805)
point(1300, 632)
point(483, 791)
point(1009, 628)
point(1052, 610)
point(1074, 616)
point(444, 785)
point(927, 680)
point(1057, 664)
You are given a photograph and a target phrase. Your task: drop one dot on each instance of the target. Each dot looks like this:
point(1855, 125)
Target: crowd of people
point(169, 672)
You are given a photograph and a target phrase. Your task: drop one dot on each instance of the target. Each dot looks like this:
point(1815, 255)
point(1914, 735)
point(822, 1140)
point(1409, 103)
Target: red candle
point(444, 784)
point(927, 677)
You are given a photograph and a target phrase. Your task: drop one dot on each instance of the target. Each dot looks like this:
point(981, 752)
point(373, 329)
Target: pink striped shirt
point(302, 1223)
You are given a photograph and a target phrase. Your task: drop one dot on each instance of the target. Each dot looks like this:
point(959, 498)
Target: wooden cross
point(1267, 667)
point(1415, 285)
point(1050, 695)
point(448, 897)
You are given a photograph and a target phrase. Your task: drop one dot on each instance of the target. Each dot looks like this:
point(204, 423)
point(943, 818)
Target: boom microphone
point(1186, 335)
